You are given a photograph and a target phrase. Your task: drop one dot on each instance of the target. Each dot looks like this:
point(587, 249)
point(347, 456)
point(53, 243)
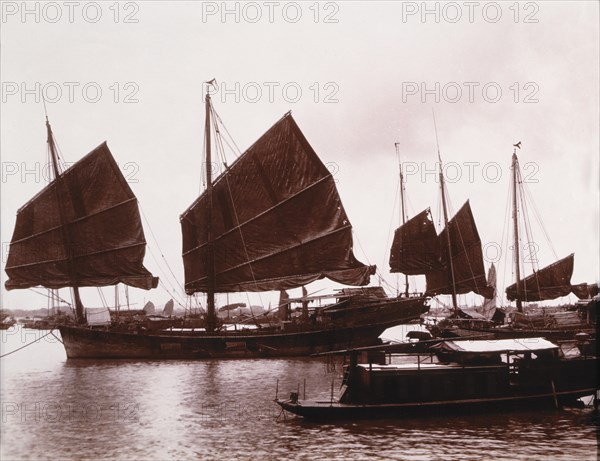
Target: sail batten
point(550, 282)
point(278, 252)
point(83, 218)
point(277, 223)
point(92, 206)
point(236, 228)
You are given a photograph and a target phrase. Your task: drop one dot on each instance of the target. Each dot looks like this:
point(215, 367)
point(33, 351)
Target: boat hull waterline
point(85, 342)
point(326, 410)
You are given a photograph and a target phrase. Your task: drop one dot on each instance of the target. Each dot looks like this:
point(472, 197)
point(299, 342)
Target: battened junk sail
point(466, 258)
point(82, 230)
point(552, 281)
point(452, 261)
point(272, 221)
point(419, 250)
point(415, 247)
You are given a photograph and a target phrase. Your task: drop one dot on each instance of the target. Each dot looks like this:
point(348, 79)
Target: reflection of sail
point(277, 222)
point(551, 282)
point(66, 236)
point(467, 258)
point(413, 251)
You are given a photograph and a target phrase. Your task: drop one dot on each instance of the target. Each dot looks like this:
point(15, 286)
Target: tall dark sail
point(467, 258)
point(414, 249)
point(551, 282)
point(277, 221)
point(93, 205)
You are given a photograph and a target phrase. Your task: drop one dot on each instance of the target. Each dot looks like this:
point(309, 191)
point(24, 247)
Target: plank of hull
point(325, 410)
point(84, 342)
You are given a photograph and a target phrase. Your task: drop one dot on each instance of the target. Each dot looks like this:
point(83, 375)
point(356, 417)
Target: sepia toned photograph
point(312, 230)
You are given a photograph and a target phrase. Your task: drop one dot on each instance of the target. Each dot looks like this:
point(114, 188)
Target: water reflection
point(53, 408)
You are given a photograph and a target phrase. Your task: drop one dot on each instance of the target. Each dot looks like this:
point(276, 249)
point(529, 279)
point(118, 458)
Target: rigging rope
point(102, 298)
point(177, 283)
point(539, 219)
point(28, 344)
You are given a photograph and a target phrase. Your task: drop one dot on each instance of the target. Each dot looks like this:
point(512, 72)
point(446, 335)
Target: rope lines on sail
point(51, 332)
point(221, 152)
point(237, 220)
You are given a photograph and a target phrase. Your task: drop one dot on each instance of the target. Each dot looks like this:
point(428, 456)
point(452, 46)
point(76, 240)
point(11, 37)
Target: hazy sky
point(358, 76)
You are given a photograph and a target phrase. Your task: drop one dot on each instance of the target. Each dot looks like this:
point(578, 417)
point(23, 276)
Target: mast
point(402, 205)
point(210, 292)
point(445, 210)
point(515, 166)
point(79, 312)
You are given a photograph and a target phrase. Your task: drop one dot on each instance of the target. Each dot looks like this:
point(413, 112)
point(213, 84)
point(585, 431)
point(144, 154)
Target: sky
point(358, 78)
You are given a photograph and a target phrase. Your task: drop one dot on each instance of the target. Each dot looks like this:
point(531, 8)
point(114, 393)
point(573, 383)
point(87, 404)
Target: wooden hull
point(388, 393)
point(325, 410)
point(502, 333)
point(296, 340)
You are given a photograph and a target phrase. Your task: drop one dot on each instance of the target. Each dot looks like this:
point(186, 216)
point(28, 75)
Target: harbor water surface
point(54, 408)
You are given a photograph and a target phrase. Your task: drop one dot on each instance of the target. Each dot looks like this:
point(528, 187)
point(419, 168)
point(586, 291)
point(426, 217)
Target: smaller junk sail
point(83, 229)
point(277, 223)
point(418, 250)
point(551, 282)
point(585, 290)
point(414, 250)
point(467, 259)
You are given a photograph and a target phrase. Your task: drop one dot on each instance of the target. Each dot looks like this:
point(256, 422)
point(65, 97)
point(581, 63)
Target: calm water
point(104, 410)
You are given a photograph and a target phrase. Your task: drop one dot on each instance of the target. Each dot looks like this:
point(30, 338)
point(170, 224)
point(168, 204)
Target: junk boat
point(272, 221)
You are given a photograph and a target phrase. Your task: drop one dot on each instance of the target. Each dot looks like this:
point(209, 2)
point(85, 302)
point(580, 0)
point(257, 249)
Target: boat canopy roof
point(500, 345)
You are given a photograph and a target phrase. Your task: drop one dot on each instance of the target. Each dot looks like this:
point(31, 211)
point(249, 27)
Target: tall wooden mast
point(445, 210)
point(515, 177)
point(402, 204)
point(79, 312)
point(210, 293)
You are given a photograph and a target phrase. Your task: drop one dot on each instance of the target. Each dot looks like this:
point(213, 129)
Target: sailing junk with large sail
point(66, 236)
point(548, 283)
point(272, 221)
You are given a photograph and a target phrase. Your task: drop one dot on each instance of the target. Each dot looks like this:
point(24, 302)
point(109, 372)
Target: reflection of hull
point(294, 340)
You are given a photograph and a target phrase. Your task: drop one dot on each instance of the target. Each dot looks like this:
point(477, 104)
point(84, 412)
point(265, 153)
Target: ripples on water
point(103, 410)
